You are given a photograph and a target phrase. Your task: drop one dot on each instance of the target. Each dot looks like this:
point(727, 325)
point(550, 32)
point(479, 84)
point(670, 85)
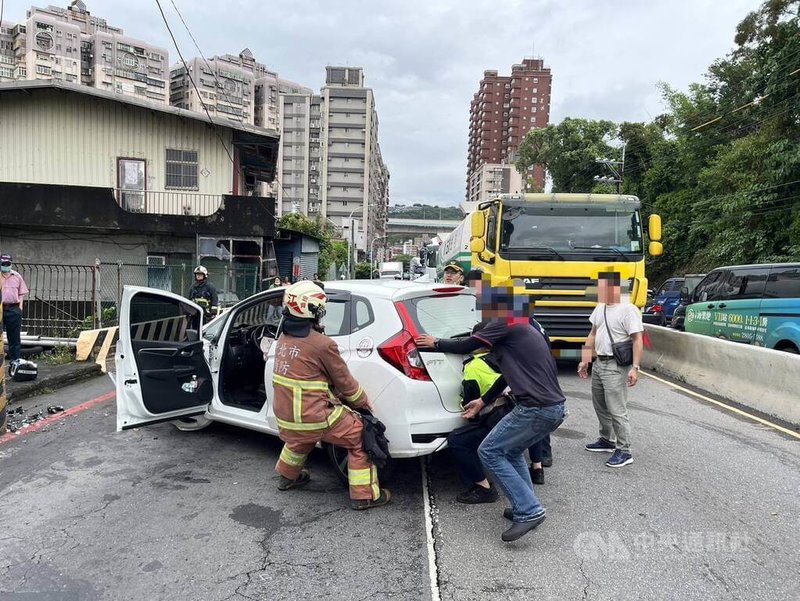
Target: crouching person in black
point(485, 405)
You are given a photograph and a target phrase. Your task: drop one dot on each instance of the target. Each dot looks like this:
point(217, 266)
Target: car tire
point(337, 457)
point(789, 348)
point(192, 424)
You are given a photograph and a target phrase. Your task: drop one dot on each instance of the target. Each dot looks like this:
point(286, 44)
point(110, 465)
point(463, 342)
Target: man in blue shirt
point(525, 361)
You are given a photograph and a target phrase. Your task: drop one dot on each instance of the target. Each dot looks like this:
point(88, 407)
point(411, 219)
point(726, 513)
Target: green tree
point(404, 259)
point(363, 271)
point(569, 152)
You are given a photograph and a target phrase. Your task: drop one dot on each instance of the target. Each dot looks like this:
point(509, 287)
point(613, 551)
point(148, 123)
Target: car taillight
point(402, 353)
point(656, 308)
point(401, 350)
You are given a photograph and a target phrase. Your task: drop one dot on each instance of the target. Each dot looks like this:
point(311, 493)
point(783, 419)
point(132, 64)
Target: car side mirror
point(685, 293)
point(192, 335)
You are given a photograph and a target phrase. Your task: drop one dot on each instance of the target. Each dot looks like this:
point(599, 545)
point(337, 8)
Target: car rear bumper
point(654, 319)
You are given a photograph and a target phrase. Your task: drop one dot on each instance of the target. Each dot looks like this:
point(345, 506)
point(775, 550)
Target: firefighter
point(308, 367)
point(203, 292)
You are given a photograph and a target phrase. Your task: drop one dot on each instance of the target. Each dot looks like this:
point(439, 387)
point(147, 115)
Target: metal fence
point(168, 202)
point(65, 299)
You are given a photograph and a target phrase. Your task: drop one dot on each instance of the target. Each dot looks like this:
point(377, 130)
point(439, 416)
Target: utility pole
point(617, 168)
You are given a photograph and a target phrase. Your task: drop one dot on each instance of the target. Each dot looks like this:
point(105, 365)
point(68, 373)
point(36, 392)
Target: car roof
point(391, 289)
point(757, 266)
point(388, 289)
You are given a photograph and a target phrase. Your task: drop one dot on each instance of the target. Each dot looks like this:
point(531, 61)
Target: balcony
point(171, 202)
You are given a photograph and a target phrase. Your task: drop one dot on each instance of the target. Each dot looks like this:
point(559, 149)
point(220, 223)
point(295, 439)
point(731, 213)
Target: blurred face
point(608, 290)
point(452, 276)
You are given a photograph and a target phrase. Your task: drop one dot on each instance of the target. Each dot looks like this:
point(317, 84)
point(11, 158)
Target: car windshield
point(554, 232)
point(444, 316)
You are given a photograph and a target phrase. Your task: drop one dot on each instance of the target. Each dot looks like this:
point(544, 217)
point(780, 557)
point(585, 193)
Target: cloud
point(425, 58)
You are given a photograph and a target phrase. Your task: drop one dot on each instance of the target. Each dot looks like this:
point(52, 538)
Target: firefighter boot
point(285, 484)
point(383, 499)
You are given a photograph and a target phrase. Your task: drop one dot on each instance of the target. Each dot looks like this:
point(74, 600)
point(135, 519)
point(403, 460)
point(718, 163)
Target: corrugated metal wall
point(58, 137)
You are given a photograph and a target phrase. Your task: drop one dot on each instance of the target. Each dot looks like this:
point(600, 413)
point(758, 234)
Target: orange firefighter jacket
point(310, 377)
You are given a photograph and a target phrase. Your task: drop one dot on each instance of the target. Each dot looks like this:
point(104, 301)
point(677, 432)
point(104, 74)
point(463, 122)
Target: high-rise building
point(503, 110)
point(71, 45)
point(234, 87)
point(355, 180)
point(491, 179)
point(330, 160)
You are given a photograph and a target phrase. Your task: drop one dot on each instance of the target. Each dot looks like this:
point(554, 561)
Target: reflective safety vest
point(479, 371)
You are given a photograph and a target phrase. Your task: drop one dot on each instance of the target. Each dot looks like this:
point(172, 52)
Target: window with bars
point(181, 170)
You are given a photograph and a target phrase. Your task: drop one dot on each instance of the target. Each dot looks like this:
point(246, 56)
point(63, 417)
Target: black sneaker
point(537, 475)
point(286, 484)
point(547, 462)
point(519, 529)
point(362, 504)
point(620, 459)
point(601, 446)
point(478, 494)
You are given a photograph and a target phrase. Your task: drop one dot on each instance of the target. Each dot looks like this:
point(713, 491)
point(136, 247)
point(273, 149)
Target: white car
point(167, 371)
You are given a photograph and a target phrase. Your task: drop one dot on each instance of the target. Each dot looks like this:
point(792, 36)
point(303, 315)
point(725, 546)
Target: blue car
point(659, 310)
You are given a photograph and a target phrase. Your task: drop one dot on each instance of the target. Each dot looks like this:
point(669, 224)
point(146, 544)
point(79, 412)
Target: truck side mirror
point(477, 245)
point(478, 224)
point(654, 229)
point(656, 249)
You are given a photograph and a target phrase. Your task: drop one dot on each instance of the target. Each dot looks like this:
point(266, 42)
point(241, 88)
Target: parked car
point(167, 371)
point(752, 304)
point(690, 281)
point(662, 305)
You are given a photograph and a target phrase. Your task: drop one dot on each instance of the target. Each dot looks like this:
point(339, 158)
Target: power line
point(191, 79)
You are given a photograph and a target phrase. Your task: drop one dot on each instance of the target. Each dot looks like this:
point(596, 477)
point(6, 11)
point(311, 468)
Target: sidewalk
point(51, 377)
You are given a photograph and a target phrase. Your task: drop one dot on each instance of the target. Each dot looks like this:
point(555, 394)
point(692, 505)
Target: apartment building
point(234, 87)
point(71, 45)
point(355, 179)
point(503, 110)
point(491, 179)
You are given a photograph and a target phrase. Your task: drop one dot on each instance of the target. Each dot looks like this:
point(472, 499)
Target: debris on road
point(53, 409)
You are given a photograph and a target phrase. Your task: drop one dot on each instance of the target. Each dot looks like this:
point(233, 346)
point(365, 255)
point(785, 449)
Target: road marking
point(35, 426)
point(433, 570)
point(724, 406)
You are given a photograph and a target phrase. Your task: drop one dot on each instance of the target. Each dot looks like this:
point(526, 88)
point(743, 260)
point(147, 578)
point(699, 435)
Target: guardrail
point(762, 379)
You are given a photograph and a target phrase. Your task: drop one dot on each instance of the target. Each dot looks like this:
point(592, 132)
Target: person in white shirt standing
point(614, 324)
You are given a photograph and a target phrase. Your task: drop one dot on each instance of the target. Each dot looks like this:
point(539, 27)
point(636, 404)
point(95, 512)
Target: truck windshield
point(555, 232)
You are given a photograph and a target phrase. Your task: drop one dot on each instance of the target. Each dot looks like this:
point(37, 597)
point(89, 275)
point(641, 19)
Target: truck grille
point(562, 289)
point(564, 321)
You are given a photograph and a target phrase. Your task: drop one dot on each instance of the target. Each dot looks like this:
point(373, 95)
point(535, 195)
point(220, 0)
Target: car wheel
point(337, 456)
point(192, 424)
point(789, 348)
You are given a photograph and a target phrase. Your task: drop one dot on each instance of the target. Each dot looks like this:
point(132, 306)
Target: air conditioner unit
point(156, 261)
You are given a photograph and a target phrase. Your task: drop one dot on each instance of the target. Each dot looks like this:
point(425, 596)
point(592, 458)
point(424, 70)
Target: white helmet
point(306, 300)
point(201, 269)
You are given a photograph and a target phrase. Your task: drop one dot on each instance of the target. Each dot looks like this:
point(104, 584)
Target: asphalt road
point(709, 510)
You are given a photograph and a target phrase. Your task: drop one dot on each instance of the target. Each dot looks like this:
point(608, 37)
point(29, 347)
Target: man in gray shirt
point(612, 322)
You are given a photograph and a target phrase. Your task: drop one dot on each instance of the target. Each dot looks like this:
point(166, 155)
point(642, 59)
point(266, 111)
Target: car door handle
point(722, 305)
point(188, 353)
point(710, 306)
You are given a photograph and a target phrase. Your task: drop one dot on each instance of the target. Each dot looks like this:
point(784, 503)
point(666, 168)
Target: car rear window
point(444, 316)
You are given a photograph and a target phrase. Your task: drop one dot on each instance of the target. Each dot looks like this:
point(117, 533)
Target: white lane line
point(724, 406)
point(433, 570)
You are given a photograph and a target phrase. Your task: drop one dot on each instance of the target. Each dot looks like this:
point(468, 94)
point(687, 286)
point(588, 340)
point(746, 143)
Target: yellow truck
point(553, 246)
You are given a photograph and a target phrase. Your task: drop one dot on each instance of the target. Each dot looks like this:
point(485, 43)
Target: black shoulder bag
point(622, 351)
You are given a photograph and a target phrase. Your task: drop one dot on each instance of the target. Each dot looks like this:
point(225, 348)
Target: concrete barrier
point(762, 379)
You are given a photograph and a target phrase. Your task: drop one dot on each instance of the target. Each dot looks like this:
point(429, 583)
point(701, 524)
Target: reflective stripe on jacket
point(309, 379)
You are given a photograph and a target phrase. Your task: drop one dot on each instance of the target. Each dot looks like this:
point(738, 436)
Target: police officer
point(454, 274)
point(203, 292)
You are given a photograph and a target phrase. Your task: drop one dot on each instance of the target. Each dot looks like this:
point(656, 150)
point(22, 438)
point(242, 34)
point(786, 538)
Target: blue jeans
point(12, 322)
point(502, 454)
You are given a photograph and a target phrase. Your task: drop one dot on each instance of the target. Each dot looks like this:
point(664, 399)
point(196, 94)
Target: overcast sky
point(425, 58)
